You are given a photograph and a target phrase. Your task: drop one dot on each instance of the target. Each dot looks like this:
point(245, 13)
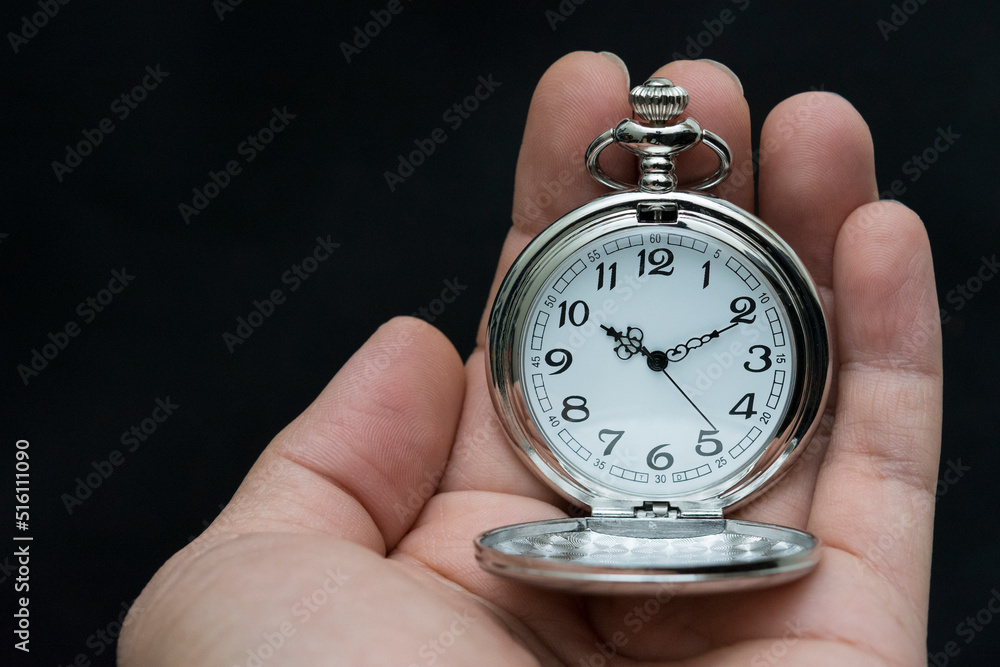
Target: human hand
point(351, 539)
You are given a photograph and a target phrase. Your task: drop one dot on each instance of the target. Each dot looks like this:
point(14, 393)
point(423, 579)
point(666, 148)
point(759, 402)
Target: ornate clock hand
point(630, 343)
point(681, 350)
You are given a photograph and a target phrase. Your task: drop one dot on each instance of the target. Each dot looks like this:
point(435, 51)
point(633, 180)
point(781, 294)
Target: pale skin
point(350, 542)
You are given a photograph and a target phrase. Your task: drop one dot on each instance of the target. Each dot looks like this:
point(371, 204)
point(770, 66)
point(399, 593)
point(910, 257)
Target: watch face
point(653, 361)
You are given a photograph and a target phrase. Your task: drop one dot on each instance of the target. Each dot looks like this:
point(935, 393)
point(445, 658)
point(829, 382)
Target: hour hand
point(629, 342)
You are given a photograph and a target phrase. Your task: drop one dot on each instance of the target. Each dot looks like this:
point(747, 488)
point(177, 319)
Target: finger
point(561, 123)
point(816, 166)
point(362, 460)
point(580, 96)
point(718, 105)
point(875, 494)
point(482, 458)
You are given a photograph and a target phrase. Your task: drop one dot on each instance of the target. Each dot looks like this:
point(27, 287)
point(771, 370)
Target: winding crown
point(658, 101)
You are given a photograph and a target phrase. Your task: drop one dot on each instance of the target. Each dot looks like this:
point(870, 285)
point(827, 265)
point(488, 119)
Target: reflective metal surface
point(726, 222)
point(658, 102)
point(641, 556)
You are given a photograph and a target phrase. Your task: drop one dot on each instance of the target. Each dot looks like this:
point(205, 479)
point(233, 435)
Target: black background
point(324, 176)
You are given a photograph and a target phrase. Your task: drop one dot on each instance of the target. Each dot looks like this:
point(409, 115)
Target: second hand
point(690, 401)
point(617, 335)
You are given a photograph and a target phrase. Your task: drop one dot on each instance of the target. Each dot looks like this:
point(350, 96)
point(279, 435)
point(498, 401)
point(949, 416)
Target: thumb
point(342, 483)
point(362, 460)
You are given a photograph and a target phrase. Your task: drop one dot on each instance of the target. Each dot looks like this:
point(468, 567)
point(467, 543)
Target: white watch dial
point(657, 361)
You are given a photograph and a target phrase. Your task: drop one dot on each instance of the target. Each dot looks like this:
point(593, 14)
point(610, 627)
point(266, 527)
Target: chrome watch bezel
point(732, 226)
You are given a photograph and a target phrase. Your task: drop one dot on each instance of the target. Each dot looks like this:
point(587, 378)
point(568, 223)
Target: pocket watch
point(658, 356)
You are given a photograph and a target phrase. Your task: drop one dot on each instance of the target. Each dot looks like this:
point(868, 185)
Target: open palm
point(351, 540)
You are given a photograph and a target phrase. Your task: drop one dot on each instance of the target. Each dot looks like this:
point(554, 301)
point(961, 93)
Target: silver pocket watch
point(658, 357)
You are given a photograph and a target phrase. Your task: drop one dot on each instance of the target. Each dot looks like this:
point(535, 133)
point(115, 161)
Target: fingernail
point(619, 62)
point(726, 70)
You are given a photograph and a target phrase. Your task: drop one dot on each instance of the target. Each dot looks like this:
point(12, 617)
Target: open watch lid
point(643, 556)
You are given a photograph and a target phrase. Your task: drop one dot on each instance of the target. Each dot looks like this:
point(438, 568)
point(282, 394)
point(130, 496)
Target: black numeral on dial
point(575, 411)
point(659, 260)
point(746, 413)
point(617, 435)
point(743, 306)
point(703, 438)
point(559, 357)
point(659, 459)
point(764, 358)
point(578, 313)
point(612, 273)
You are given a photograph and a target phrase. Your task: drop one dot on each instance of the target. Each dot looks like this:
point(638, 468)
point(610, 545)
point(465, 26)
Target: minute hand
point(678, 352)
